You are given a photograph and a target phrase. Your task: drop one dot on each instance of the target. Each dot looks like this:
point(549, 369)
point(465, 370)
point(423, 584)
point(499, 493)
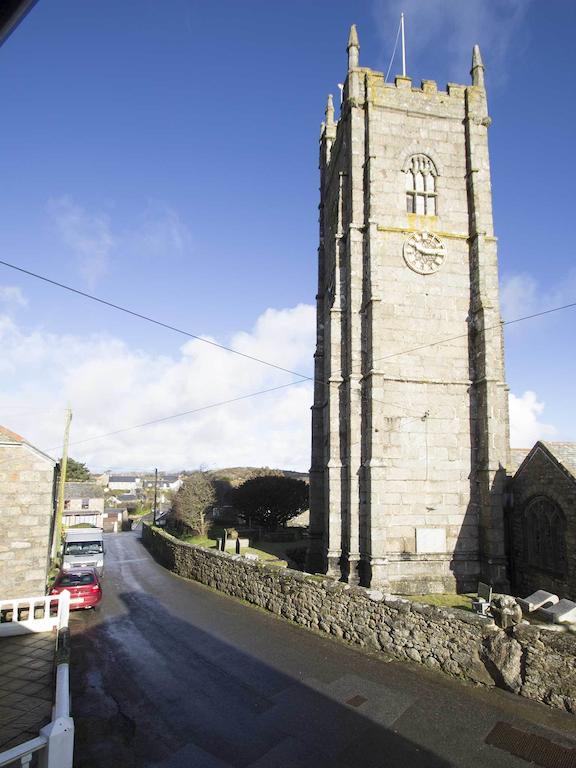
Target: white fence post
point(55, 743)
point(59, 752)
point(63, 609)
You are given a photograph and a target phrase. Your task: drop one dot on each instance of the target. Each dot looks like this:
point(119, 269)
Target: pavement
point(26, 686)
point(170, 674)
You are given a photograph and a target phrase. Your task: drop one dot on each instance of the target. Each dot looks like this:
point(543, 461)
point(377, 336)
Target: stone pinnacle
point(353, 47)
point(477, 70)
point(330, 110)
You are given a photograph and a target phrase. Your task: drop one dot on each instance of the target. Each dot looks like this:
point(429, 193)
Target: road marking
point(133, 560)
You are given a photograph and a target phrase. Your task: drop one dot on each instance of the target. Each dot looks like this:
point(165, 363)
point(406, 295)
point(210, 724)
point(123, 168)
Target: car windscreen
point(76, 579)
point(83, 548)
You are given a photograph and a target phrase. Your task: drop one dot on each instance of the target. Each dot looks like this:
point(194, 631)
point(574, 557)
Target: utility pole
point(62, 480)
point(155, 490)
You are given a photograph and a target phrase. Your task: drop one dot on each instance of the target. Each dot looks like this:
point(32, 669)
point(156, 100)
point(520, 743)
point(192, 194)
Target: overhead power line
point(182, 413)
point(488, 328)
point(152, 320)
point(302, 380)
point(302, 377)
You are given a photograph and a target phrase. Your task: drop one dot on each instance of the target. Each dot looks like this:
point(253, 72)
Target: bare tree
point(194, 499)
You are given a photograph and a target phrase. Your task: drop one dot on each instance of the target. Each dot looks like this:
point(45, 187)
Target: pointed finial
point(477, 70)
point(353, 47)
point(329, 110)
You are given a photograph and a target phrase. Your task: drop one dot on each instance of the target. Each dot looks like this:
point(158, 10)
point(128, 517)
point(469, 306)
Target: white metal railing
point(55, 742)
point(23, 615)
point(23, 752)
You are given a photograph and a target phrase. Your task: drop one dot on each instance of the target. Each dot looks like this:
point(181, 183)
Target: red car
point(83, 585)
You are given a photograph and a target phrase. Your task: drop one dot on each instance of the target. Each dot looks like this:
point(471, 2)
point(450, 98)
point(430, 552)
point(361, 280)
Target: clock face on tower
point(424, 252)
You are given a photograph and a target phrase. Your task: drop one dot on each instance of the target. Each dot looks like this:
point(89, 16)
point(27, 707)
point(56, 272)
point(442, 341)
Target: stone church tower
point(410, 418)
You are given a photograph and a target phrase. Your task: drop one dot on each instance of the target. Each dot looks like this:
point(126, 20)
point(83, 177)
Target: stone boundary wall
point(538, 664)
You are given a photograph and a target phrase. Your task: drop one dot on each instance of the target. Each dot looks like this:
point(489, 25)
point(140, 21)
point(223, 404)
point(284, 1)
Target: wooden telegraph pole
point(155, 493)
point(62, 480)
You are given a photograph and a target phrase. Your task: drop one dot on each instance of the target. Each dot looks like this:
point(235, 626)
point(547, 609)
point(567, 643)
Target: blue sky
point(164, 156)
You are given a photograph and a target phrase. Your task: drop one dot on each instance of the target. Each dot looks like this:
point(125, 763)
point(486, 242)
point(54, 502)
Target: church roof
point(517, 456)
point(564, 453)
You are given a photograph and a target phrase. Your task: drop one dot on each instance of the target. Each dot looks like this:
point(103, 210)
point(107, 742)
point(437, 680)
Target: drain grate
point(531, 747)
point(356, 701)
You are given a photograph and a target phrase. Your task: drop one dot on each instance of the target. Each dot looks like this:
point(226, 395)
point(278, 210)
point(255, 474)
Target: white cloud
point(88, 235)
point(519, 296)
point(12, 295)
point(525, 426)
point(111, 387)
point(522, 295)
point(454, 26)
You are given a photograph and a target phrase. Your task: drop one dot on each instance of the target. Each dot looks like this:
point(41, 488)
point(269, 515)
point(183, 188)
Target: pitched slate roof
point(564, 453)
point(517, 456)
point(74, 490)
point(122, 479)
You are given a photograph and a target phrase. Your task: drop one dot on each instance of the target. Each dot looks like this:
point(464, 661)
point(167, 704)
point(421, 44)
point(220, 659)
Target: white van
point(84, 548)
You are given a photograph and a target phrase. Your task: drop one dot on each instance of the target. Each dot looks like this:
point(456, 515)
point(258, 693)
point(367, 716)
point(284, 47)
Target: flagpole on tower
point(403, 46)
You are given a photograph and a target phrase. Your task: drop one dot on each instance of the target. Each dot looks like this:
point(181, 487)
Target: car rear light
point(95, 588)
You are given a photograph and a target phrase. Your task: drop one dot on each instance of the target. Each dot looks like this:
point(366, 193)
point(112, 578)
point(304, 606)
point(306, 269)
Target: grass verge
point(271, 552)
point(450, 600)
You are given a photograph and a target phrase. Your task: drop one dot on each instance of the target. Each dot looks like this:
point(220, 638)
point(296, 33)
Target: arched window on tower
point(421, 195)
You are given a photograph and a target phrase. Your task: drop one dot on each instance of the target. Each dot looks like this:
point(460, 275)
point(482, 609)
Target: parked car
point(84, 587)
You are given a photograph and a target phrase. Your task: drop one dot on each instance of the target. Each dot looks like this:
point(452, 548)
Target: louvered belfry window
point(421, 195)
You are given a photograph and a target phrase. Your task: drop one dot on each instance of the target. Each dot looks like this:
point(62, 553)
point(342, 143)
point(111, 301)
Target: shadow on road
point(150, 689)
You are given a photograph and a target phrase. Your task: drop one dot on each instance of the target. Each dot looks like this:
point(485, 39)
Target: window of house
point(421, 194)
point(85, 503)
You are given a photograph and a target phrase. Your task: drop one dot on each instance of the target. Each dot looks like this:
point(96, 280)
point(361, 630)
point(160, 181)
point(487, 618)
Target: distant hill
point(231, 477)
point(238, 475)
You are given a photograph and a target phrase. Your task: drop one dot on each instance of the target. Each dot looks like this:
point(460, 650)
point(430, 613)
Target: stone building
point(27, 480)
point(542, 521)
point(83, 504)
point(127, 483)
point(410, 429)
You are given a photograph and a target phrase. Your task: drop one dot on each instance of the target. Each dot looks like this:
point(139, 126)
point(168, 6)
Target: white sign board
point(430, 540)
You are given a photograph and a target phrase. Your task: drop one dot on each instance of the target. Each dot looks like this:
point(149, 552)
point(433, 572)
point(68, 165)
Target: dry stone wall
point(538, 664)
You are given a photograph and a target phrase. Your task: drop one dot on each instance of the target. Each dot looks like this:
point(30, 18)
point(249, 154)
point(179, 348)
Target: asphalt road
point(169, 673)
